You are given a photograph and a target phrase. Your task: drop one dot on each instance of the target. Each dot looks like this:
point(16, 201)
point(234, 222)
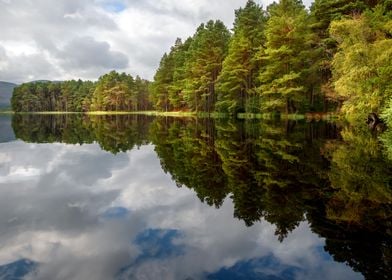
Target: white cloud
point(125, 35)
point(26, 66)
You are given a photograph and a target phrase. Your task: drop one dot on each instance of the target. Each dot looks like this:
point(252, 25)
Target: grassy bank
point(6, 111)
point(306, 116)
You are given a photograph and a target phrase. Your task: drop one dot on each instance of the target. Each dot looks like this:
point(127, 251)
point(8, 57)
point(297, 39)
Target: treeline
point(112, 92)
point(337, 56)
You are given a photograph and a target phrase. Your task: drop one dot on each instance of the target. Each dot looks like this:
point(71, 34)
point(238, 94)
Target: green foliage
point(287, 58)
point(186, 77)
point(180, 56)
point(160, 87)
point(362, 67)
point(237, 81)
point(326, 11)
point(167, 89)
point(70, 96)
point(281, 60)
point(112, 92)
point(206, 54)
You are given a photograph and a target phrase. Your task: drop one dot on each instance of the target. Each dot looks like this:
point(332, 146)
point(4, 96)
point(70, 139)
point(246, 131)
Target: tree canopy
point(112, 92)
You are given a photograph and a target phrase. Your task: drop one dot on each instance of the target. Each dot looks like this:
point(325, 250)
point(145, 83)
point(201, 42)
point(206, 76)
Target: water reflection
point(114, 133)
point(6, 131)
point(309, 201)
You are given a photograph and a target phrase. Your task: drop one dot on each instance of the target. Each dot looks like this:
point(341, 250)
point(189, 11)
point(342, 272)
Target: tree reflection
point(186, 150)
point(362, 178)
point(114, 133)
point(337, 178)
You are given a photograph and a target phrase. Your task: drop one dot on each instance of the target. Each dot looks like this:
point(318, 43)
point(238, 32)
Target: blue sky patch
point(17, 270)
point(115, 213)
point(266, 268)
point(154, 244)
point(158, 243)
point(114, 6)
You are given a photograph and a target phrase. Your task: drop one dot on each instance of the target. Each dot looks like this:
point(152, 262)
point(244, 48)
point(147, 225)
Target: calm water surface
point(134, 197)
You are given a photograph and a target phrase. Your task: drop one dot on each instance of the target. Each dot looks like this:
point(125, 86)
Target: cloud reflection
point(82, 213)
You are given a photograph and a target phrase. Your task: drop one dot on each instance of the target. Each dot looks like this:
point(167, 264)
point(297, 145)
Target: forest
point(285, 59)
point(335, 56)
point(112, 92)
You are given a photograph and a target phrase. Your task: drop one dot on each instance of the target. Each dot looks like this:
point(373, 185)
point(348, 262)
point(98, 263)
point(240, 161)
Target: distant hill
point(6, 93)
point(44, 81)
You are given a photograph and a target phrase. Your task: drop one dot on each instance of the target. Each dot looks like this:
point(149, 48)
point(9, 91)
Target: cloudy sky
point(66, 39)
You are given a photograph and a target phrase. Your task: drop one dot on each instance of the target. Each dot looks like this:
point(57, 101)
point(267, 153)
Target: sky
point(72, 39)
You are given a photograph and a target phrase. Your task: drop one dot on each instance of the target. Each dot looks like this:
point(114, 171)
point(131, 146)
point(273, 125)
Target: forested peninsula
point(112, 92)
point(285, 59)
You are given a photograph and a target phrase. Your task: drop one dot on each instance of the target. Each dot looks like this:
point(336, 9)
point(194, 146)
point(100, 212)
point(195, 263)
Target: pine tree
point(162, 80)
point(237, 80)
point(323, 12)
point(114, 92)
point(286, 58)
point(180, 56)
point(206, 53)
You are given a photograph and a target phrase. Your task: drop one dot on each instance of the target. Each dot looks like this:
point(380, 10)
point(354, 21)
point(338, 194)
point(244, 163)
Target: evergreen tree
point(237, 80)
point(142, 94)
point(180, 56)
point(206, 53)
point(162, 80)
point(287, 58)
point(114, 92)
point(323, 12)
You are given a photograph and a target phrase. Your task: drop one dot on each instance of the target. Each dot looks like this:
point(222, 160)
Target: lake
point(138, 197)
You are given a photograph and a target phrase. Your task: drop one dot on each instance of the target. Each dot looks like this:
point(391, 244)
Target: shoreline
point(306, 116)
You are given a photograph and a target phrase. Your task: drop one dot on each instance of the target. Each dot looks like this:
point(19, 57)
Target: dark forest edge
point(282, 60)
